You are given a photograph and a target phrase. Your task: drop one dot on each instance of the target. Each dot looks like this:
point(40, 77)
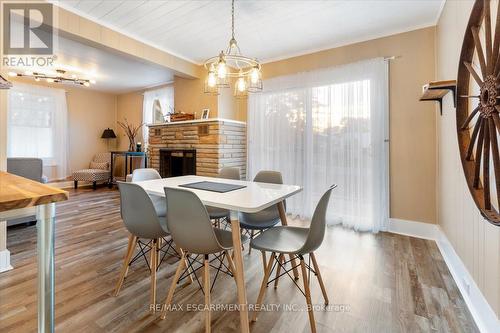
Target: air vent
point(203, 130)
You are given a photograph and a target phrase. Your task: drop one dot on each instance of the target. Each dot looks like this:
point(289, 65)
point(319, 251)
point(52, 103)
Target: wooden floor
point(376, 283)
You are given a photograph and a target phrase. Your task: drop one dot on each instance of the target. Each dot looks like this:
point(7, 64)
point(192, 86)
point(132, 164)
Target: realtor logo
point(28, 28)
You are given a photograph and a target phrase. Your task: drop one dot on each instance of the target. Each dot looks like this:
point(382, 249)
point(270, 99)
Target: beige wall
point(190, 98)
point(475, 241)
point(89, 113)
point(128, 106)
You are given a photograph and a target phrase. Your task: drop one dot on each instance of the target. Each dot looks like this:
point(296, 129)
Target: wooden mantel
point(18, 192)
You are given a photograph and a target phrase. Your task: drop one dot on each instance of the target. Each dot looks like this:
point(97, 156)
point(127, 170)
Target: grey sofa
point(27, 167)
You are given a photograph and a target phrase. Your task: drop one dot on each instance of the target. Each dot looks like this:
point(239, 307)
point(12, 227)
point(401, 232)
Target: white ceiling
point(112, 72)
point(268, 30)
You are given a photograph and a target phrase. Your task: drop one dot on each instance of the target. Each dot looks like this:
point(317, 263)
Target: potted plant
point(131, 132)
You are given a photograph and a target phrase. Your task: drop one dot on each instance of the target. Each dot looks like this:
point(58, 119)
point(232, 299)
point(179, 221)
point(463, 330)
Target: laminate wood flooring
point(376, 283)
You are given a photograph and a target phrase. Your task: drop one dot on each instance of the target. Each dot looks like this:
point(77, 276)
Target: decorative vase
point(131, 146)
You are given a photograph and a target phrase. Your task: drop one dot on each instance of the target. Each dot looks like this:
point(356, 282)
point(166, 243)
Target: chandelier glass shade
point(231, 65)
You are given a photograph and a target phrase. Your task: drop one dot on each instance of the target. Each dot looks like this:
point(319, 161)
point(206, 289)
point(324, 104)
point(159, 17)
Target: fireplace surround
point(215, 143)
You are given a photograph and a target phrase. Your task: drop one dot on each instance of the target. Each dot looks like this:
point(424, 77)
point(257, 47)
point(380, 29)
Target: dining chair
point(297, 242)
point(221, 214)
point(150, 174)
point(255, 223)
point(143, 222)
point(190, 226)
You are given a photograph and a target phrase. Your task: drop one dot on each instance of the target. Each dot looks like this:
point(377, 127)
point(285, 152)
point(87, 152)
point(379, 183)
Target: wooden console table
point(16, 194)
point(128, 155)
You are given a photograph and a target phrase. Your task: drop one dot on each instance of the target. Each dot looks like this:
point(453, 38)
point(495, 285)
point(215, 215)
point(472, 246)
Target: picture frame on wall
point(205, 113)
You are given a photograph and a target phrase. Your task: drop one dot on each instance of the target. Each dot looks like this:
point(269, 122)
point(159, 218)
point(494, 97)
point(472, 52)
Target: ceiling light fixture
point(232, 64)
point(59, 77)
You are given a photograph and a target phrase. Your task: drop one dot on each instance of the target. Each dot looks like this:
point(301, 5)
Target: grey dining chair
point(143, 222)
point(255, 223)
point(143, 174)
point(190, 226)
point(221, 214)
point(297, 242)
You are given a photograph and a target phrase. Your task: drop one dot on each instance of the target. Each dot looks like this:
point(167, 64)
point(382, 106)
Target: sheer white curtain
point(156, 104)
point(326, 127)
point(37, 127)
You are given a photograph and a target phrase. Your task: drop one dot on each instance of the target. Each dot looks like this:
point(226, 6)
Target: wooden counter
point(18, 192)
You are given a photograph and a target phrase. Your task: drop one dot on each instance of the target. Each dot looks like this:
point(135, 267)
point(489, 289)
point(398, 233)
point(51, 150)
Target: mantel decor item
point(179, 116)
point(232, 64)
point(479, 112)
point(131, 132)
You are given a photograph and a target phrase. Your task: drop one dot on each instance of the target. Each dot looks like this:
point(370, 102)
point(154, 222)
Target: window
point(327, 127)
point(156, 105)
point(37, 126)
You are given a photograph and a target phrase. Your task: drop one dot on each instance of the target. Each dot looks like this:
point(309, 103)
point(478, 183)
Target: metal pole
point(45, 215)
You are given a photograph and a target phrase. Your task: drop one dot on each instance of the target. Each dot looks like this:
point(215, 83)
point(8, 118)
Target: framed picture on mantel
point(205, 113)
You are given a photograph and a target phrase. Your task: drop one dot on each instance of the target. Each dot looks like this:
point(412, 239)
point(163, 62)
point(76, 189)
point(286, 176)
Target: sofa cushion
point(91, 175)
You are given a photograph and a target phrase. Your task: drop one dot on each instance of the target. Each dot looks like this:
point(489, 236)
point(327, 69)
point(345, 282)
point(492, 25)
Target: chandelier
point(59, 77)
point(232, 64)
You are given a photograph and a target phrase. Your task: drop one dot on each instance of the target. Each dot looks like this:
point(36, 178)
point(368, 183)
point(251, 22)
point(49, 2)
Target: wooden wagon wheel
point(479, 149)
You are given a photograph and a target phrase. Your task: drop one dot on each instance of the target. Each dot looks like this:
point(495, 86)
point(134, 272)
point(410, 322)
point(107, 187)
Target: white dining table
point(253, 198)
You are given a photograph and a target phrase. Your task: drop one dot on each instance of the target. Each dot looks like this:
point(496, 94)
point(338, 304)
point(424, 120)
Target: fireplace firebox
point(177, 162)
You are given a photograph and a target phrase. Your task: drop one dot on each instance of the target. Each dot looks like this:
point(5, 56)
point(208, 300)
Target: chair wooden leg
point(132, 242)
point(184, 255)
point(158, 252)
point(263, 286)
point(94, 186)
point(206, 288)
point(173, 286)
point(320, 279)
point(75, 184)
point(264, 260)
point(230, 263)
point(308, 295)
point(153, 264)
point(281, 259)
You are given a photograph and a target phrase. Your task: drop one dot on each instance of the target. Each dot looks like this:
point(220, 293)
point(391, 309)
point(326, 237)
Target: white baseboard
point(414, 229)
point(62, 185)
point(484, 316)
point(5, 261)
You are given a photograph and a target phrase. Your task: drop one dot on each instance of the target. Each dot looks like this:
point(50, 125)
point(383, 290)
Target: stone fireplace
point(200, 147)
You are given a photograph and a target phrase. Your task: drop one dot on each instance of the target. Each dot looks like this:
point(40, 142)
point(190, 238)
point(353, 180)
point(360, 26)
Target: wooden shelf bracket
point(435, 91)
